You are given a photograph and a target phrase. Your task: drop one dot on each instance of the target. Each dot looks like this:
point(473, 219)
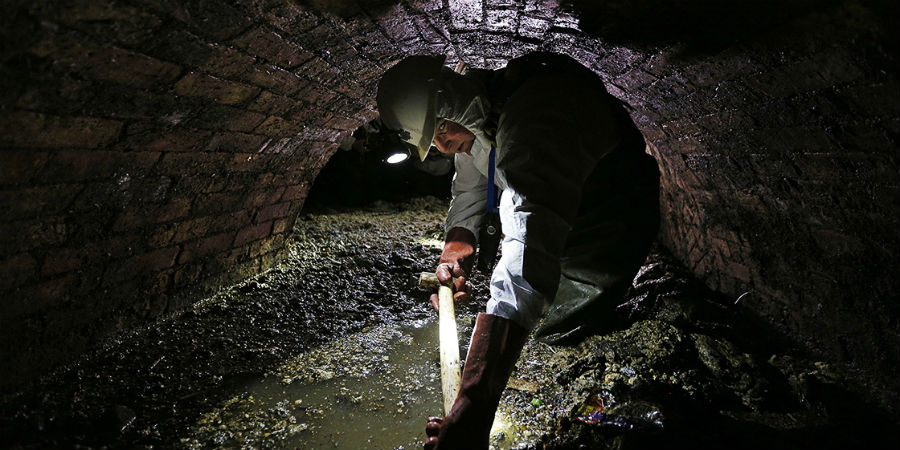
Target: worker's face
point(451, 137)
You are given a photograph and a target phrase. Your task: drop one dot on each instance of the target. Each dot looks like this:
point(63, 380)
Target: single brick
point(256, 199)
point(172, 211)
point(872, 99)
point(282, 225)
point(292, 17)
point(181, 45)
point(399, 27)
point(250, 162)
point(296, 191)
point(191, 229)
point(63, 260)
point(312, 115)
point(213, 18)
point(276, 194)
point(228, 118)
point(296, 174)
point(270, 103)
point(277, 126)
point(428, 30)
point(210, 184)
point(106, 63)
point(213, 244)
point(252, 233)
point(105, 19)
point(19, 166)
point(226, 62)
point(175, 139)
point(30, 202)
point(39, 297)
point(28, 129)
point(323, 135)
point(162, 237)
point(265, 246)
point(216, 203)
point(232, 221)
point(274, 47)
point(153, 261)
point(17, 270)
point(71, 165)
point(317, 95)
point(23, 235)
point(273, 212)
point(501, 20)
point(241, 182)
point(137, 216)
point(194, 162)
point(196, 84)
point(259, 198)
point(275, 79)
point(289, 146)
point(323, 35)
point(234, 142)
point(343, 123)
point(188, 275)
point(426, 5)
point(532, 27)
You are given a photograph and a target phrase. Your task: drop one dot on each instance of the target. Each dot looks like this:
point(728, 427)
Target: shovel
point(449, 341)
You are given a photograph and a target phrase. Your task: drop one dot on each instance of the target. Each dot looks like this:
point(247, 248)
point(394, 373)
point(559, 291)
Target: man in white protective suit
point(578, 207)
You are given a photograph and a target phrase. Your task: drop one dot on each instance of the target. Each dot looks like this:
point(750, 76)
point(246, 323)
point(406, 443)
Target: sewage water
point(369, 390)
point(378, 396)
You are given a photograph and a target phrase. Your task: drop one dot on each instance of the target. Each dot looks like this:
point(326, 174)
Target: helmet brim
point(424, 143)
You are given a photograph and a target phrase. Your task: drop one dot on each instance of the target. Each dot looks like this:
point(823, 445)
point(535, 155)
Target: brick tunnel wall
point(779, 160)
point(153, 150)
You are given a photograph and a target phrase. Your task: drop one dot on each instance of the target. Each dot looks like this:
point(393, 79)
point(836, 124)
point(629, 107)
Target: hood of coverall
point(463, 100)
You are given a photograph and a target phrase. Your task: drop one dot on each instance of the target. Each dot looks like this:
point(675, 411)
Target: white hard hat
point(407, 98)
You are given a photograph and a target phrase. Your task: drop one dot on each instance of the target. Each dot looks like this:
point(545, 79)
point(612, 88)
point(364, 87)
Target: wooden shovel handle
point(450, 375)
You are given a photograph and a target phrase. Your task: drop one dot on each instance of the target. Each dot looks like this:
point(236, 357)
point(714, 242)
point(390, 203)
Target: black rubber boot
point(496, 344)
point(581, 310)
point(616, 224)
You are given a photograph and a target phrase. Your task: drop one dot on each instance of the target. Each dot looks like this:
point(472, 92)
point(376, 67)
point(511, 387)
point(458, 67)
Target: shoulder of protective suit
point(534, 64)
point(502, 83)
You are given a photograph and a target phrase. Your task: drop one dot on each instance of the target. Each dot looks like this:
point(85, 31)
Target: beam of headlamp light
point(398, 157)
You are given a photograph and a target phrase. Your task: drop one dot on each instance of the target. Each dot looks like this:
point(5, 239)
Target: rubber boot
point(495, 347)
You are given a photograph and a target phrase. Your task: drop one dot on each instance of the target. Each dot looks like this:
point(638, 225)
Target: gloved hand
point(456, 263)
point(432, 429)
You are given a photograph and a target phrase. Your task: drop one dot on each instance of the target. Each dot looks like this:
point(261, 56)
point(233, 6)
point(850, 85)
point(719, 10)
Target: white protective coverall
point(554, 127)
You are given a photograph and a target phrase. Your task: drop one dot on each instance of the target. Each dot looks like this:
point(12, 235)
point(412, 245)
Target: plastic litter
point(600, 409)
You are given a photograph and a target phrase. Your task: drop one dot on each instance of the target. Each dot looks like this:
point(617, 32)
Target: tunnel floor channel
point(336, 347)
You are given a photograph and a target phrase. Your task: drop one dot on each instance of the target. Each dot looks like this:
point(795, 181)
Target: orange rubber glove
point(456, 263)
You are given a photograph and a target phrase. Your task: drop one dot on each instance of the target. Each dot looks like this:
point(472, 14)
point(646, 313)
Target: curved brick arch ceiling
point(153, 150)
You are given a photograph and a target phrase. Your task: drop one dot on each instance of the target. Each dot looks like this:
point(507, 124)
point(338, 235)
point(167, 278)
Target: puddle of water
point(376, 393)
point(370, 390)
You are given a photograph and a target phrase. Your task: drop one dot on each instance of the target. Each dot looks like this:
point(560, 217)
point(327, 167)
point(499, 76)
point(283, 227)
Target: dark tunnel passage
point(189, 234)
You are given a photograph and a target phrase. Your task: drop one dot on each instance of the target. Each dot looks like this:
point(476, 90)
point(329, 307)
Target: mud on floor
point(335, 338)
